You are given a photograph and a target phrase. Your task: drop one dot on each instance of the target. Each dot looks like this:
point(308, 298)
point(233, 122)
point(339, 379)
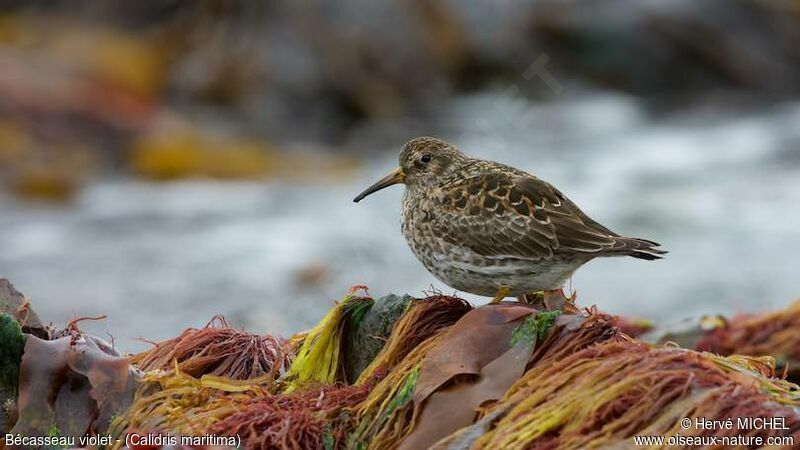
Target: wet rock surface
point(367, 340)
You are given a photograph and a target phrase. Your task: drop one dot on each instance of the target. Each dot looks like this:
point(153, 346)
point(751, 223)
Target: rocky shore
point(401, 372)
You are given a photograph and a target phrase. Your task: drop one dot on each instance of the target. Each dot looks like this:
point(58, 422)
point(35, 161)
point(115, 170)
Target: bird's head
point(424, 161)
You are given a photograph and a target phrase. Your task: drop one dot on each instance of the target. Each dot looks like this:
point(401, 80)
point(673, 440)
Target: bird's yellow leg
point(501, 294)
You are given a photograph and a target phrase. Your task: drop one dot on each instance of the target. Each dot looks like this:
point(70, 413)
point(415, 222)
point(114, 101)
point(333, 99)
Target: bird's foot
point(501, 294)
point(553, 300)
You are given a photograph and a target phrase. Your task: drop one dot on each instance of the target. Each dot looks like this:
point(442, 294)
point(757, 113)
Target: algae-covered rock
point(16, 318)
point(12, 344)
point(365, 340)
point(13, 303)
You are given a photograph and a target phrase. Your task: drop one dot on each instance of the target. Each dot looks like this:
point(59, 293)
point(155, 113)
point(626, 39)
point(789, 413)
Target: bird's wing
point(513, 215)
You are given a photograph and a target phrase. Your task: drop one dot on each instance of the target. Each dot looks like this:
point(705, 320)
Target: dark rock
point(365, 341)
point(17, 305)
point(685, 338)
point(666, 48)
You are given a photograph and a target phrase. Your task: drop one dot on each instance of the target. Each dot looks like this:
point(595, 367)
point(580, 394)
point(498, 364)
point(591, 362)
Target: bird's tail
point(639, 248)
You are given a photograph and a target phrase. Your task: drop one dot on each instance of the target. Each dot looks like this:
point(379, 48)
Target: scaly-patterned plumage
point(484, 227)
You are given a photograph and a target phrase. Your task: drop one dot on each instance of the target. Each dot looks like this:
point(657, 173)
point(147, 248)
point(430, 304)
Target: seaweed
point(608, 393)
point(534, 328)
point(447, 377)
point(217, 350)
point(421, 320)
point(405, 394)
point(385, 417)
point(316, 417)
point(319, 359)
point(74, 383)
point(774, 333)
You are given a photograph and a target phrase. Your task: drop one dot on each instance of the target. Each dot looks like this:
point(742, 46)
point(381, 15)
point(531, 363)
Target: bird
point(492, 230)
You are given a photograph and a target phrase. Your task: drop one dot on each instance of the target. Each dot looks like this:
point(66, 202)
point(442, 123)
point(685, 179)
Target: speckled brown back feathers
point(502, 211)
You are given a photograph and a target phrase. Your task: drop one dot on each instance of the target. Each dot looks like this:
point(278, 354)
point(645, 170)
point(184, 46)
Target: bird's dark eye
point(426, 158)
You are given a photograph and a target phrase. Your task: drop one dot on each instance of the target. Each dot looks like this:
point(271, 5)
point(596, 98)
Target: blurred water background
point(163, 162)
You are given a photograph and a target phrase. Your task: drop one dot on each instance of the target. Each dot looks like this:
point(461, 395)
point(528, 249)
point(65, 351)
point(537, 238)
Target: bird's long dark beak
point(393, 178)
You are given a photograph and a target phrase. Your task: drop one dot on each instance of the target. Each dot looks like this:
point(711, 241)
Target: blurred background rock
point(165, 161)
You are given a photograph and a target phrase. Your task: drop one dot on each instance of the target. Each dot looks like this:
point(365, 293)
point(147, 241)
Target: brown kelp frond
point(607, 393)
point(480, 337)
point(79, 374)
point(423, 319)
point(775, 333)
point(319, 358)
point(217, 350)
point(481, 356)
